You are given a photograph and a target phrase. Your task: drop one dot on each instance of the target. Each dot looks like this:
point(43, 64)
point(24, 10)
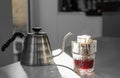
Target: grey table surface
point(107, 64)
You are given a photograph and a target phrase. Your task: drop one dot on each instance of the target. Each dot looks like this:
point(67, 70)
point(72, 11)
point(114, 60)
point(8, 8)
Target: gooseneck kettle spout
point(63, 43)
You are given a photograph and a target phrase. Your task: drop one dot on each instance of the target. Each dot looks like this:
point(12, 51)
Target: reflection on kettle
point(37, 50)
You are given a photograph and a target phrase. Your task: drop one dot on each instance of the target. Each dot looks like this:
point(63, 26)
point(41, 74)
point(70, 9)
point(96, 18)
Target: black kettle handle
point(11, 40)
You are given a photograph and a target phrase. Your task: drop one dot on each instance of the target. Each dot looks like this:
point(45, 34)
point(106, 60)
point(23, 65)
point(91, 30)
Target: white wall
point(111, 20)
point(5, 31)
point(79, 24)
point(58, 24)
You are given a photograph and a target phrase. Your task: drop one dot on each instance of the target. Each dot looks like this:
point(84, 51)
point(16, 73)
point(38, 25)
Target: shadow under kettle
point(37, 50)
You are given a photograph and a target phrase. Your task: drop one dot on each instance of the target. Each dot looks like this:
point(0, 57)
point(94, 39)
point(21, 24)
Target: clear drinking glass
point(84, 58)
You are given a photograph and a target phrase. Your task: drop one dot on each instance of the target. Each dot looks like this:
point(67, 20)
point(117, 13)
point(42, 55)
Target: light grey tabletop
point(107, 64)
point(16, 70)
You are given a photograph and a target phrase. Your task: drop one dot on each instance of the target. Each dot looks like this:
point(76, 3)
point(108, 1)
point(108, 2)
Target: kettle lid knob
point(36, 29)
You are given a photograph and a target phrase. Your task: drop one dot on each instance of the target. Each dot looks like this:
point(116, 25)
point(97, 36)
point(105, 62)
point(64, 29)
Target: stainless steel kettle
point(37, 50)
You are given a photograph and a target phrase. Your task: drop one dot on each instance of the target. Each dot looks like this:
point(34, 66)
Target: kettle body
point(37, 50)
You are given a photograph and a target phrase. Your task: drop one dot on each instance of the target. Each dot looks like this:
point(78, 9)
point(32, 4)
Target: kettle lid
point(37, 31)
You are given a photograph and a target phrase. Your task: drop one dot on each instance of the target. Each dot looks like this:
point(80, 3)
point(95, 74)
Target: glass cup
point(84, 58)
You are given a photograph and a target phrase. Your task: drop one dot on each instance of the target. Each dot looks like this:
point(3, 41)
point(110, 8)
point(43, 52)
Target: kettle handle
point(63, 43)
point(11, 40)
